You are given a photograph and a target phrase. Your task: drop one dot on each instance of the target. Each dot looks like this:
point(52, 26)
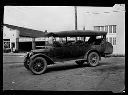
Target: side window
point(87, 38)
point(57, 44)
point(98, 40)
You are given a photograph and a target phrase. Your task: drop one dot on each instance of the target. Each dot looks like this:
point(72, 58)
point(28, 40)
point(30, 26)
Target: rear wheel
point(93, 59)
point(38, 65)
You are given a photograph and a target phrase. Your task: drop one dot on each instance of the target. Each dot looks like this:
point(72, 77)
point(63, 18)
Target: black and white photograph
point(64, 48)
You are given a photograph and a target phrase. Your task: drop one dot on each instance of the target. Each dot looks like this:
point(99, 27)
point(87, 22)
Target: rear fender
point(108, 48)
point(87, 53)
point(48, 59)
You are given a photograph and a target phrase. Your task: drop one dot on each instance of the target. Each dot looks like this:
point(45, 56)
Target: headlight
point(26, 54)
point(30, 53)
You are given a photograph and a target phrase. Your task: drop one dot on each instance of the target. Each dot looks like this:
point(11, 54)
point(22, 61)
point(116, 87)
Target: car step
point(80, 60)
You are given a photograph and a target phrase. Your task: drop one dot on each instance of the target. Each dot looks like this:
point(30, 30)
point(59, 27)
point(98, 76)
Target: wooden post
point(33, 43)
point(75, 19)
point(66, 39)
point(17, 44)
point(84, 39)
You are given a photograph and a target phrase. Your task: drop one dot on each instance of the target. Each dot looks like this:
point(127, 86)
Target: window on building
point(106, 28)
point(110, 40)
point(114, 28)
point(110, 29)
point(94, 27)
point(97, 28)
point(102, 28)
point(114, 40)
point(107, 39)
point(6, 44)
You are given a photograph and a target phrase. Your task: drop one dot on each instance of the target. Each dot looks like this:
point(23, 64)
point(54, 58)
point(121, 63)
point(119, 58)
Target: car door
point(66, 52)
point(57, 49)
point(78, 49)
point(58, 52)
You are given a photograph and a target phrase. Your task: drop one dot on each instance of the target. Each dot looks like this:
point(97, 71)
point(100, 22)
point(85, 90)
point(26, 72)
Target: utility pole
point(75, 19)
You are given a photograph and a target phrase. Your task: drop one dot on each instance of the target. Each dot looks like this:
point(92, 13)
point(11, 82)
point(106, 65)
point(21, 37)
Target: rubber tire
point(32, 63)
point(25, 64)
point(97, 61)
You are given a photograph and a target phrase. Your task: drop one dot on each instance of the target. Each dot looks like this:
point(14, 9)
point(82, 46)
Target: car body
point(90, 49)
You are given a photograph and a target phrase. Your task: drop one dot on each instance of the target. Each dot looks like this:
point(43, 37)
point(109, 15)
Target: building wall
point(24, 44)
point(117, 19)
point(111, 34)
point(11, 35)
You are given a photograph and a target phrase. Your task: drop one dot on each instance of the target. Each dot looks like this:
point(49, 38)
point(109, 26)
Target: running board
point(81, 60)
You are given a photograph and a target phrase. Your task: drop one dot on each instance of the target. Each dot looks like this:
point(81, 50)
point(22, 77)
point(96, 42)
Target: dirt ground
point(68, 76)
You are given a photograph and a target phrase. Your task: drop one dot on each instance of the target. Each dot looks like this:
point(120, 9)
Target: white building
point(110, 19)
point(21, 39)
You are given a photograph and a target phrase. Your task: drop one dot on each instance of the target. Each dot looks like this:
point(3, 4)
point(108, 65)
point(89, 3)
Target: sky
point(54, 18)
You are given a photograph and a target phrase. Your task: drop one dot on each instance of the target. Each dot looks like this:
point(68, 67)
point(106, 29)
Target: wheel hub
point(94, 58)
point(38, 64)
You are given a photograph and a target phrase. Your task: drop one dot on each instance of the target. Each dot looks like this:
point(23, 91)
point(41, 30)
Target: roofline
point(76, 33)
point(9, 25)
point(26, 32)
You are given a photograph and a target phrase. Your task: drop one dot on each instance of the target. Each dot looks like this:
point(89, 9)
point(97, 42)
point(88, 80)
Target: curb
point(13, 54)
point(13, 65)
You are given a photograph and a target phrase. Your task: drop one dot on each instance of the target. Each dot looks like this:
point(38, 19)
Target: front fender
point(48, 59)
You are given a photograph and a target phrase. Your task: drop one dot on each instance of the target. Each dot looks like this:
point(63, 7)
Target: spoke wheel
point(38, 65)
point(93, 59)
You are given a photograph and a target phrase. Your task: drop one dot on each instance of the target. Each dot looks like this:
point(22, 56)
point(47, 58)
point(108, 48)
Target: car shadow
point(108, 66)
point(104, 63)
point(67, 66)
point(100, 67)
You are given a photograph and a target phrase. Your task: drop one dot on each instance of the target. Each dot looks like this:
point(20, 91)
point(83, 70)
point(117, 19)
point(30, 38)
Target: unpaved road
point(68, 76)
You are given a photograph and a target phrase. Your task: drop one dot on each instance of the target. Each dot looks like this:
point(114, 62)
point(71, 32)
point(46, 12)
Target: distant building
point(111, 35)
point(21, 39)
point(116, 30)
point(110, 19)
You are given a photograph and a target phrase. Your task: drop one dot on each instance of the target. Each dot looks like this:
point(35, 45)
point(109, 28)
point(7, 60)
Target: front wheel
point(93, 59)
point(38, 65)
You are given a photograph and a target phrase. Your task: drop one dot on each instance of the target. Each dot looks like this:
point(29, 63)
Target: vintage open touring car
point(90, 47)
